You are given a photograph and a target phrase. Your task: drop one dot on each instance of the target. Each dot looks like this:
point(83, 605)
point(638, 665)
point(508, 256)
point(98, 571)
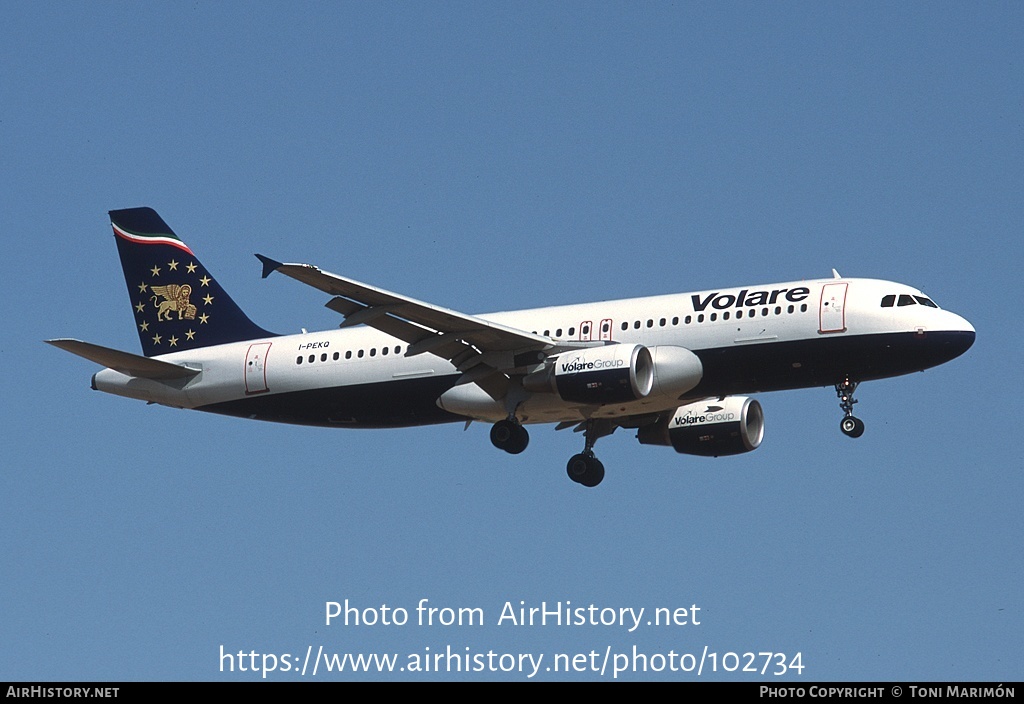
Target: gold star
point(208, 299)
point(205, 281)
point(142, 287)
point(190, 335)
point(191, 268)
point(140, 307)
point(144, 326)
point(156, 339)
point(203, 319)
point(155, 271)
point(172, 265)
point(173, 341)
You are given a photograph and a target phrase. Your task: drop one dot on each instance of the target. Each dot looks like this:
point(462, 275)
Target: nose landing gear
point(850, 424)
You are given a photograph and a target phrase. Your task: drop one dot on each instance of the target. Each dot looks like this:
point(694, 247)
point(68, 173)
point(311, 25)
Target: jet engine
point(617, 374)
point(597, 375)
point(713, 427)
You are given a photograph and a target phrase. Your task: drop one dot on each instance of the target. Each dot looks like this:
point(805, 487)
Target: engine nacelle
point(715, 427)
point(597, 375)
point(676, 370)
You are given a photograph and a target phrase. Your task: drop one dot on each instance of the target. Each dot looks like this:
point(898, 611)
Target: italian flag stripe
point(151, 239)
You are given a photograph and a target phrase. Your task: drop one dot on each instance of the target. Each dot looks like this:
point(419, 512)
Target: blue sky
point(488, 156)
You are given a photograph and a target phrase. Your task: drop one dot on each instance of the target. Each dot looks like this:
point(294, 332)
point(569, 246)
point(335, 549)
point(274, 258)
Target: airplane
point(678, 369)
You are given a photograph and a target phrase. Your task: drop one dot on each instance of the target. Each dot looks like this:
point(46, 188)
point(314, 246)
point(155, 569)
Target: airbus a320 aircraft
point(674, 368)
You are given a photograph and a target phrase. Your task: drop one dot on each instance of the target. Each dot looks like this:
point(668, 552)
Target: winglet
point(269, 265)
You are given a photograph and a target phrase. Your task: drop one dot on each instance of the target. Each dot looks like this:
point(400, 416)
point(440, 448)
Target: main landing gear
point(585, 468)
point(850, 424)
point(509, 435)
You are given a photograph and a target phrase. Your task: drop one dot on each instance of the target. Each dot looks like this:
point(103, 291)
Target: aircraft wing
point(479, 348)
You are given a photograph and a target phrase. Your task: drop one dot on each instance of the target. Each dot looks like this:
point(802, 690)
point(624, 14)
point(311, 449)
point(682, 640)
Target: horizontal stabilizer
point(125, 362)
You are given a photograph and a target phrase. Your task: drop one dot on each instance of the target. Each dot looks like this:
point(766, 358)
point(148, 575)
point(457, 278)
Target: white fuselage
point(749, 339)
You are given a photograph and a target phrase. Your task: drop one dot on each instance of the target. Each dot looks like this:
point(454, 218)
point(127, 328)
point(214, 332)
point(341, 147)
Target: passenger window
point(725, 315)
point(348, 354)
point(888, 301)
point(336, 356)
point(373, 351)
point(689, 319)
point(636, 324)
point(360, 354)
point(323, 357)
point(298, 360)
point(662, 322)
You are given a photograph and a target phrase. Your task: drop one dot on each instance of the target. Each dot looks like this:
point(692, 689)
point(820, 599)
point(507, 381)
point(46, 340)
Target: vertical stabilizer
point(177, 304)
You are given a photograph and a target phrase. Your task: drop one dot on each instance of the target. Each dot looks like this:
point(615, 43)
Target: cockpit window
point(906, 300)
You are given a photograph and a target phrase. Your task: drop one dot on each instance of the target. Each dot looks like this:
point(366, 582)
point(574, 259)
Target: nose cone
point(962, 342)
point(961, 324)
point(956, 337)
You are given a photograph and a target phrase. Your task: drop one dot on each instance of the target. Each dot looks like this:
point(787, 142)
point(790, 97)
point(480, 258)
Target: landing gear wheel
point(585, 469)
point(509, 436)
point(577, 467)
point(852, 426)
point(595, 474)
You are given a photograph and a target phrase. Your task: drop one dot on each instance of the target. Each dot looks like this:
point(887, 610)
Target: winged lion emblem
point(175, 299)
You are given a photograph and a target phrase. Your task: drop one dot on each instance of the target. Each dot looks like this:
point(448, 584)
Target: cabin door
point(831, 315)
point(256, 368)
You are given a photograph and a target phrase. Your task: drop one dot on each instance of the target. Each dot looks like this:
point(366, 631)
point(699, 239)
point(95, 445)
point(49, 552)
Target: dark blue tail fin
point(177, 304)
